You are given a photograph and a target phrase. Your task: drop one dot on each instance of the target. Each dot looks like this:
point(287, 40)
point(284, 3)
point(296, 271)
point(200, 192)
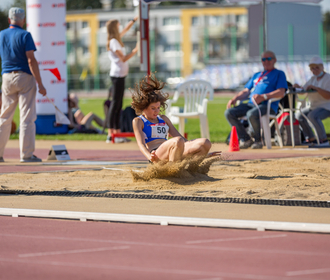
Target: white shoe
point(120, 140)
point(31, 159)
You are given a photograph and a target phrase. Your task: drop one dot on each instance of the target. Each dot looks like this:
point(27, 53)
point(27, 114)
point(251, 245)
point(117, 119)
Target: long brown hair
point(113, 32)
point(147, 91)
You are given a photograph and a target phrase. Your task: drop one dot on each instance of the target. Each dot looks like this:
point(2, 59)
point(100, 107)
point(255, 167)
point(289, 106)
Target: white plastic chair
point(195, 104)
point(304, 103)
point(266, 124)
point(267, 121)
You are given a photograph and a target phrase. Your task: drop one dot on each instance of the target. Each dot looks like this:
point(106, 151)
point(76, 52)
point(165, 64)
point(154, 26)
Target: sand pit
point(188, 168)
point(294, 178)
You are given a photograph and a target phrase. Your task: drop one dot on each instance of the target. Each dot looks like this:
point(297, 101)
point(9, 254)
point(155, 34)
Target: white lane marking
point(119, 169)
point(234, 239)
point(211, 278)
point(195, 247)
point(306, 272)
point(72, 251)
point(166, 270)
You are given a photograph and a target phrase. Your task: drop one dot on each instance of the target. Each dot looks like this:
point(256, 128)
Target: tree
point(83, 4)
point(326, 28)
point(20, 4)
point(3, 20)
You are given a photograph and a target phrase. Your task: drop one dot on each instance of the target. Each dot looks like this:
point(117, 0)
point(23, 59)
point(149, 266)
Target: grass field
point(219, 127)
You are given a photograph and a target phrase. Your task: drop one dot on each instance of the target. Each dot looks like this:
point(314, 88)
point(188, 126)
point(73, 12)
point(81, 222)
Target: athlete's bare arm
point(139, 135)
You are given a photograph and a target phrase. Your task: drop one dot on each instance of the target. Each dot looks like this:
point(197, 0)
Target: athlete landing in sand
point(151, 129)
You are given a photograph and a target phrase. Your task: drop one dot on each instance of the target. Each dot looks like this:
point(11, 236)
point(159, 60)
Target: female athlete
point(151, 129)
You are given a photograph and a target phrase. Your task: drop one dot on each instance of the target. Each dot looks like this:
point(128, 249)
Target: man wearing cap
point(270, 83)
point(20, 72)
point(318, 87)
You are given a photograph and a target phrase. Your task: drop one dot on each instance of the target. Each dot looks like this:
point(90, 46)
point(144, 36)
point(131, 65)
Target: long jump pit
point(285, 185)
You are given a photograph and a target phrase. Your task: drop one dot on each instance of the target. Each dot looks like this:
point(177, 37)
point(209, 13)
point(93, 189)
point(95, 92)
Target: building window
point(85, 50)
point(102, 49)
point(102, 23)
point(195, 47)
point(84, 24)
point(214, 20)
point(195, 21)
point(172, 47)
point(171, 21)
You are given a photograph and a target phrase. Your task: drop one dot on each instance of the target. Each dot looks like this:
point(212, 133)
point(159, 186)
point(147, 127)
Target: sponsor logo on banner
point(58, 43)
point(38, 44)
point(64, 61)
point(45, 100)
point(34, 6)
point(46, 62)
point(47, 24)
point(59, 5)
point(62, 81)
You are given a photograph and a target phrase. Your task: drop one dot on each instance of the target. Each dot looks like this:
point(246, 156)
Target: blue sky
point(325, 4)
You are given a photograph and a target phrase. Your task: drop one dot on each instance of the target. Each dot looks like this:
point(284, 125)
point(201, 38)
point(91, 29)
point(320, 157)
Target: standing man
point(270, 83)
point(20, 72)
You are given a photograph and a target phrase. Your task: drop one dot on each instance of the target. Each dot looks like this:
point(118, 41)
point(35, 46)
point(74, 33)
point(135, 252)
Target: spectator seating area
point(232, 76)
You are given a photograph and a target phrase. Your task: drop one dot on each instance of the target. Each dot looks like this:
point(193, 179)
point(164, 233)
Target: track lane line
point(52, 253)
point(163, 270)
point(234, 239)
point(167, 245)
point(308, 272)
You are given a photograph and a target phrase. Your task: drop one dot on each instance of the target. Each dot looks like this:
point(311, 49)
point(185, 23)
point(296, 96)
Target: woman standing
point(118, 72)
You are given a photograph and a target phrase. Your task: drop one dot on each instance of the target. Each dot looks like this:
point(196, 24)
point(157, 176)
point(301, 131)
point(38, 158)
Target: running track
point(36, 248)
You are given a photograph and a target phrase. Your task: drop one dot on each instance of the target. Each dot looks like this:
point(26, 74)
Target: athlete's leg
point(197, 147)
point(171, 149)
point(87, 120)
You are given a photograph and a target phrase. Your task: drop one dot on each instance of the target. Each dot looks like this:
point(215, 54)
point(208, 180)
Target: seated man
point(270, 83)
point(319, 96)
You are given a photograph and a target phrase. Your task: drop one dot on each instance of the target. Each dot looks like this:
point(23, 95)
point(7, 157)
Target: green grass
point(219, 127)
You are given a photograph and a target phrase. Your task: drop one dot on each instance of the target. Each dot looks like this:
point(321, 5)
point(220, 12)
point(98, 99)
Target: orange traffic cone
point(233, 144)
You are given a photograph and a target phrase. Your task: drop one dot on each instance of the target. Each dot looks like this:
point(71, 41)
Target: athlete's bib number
point(158, 131)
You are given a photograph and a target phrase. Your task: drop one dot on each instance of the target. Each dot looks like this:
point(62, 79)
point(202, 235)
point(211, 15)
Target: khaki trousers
point(18, 87)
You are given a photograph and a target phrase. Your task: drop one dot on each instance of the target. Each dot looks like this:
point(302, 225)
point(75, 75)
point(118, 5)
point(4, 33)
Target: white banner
point(47, 25)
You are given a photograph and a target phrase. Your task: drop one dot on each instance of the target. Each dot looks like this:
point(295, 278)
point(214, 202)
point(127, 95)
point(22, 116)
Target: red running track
point(35, 248)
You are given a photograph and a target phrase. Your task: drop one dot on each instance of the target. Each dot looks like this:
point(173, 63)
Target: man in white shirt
point(318, 87)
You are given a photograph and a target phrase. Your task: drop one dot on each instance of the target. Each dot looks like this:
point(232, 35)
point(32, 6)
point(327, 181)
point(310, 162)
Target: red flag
point(55, 72)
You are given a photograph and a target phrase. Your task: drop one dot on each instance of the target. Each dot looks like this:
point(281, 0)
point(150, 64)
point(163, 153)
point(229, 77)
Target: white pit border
point(168, 220)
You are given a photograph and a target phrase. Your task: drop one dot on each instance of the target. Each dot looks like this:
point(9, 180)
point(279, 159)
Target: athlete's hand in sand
point(153, 157)
point(214, 154)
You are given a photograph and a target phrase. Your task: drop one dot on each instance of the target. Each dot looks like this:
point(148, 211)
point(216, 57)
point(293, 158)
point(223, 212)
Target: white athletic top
point(117, 68)
point(316, 99)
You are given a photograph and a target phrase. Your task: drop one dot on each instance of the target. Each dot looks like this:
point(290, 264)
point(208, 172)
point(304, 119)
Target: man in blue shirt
point(270, 83)
point(20, 72)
